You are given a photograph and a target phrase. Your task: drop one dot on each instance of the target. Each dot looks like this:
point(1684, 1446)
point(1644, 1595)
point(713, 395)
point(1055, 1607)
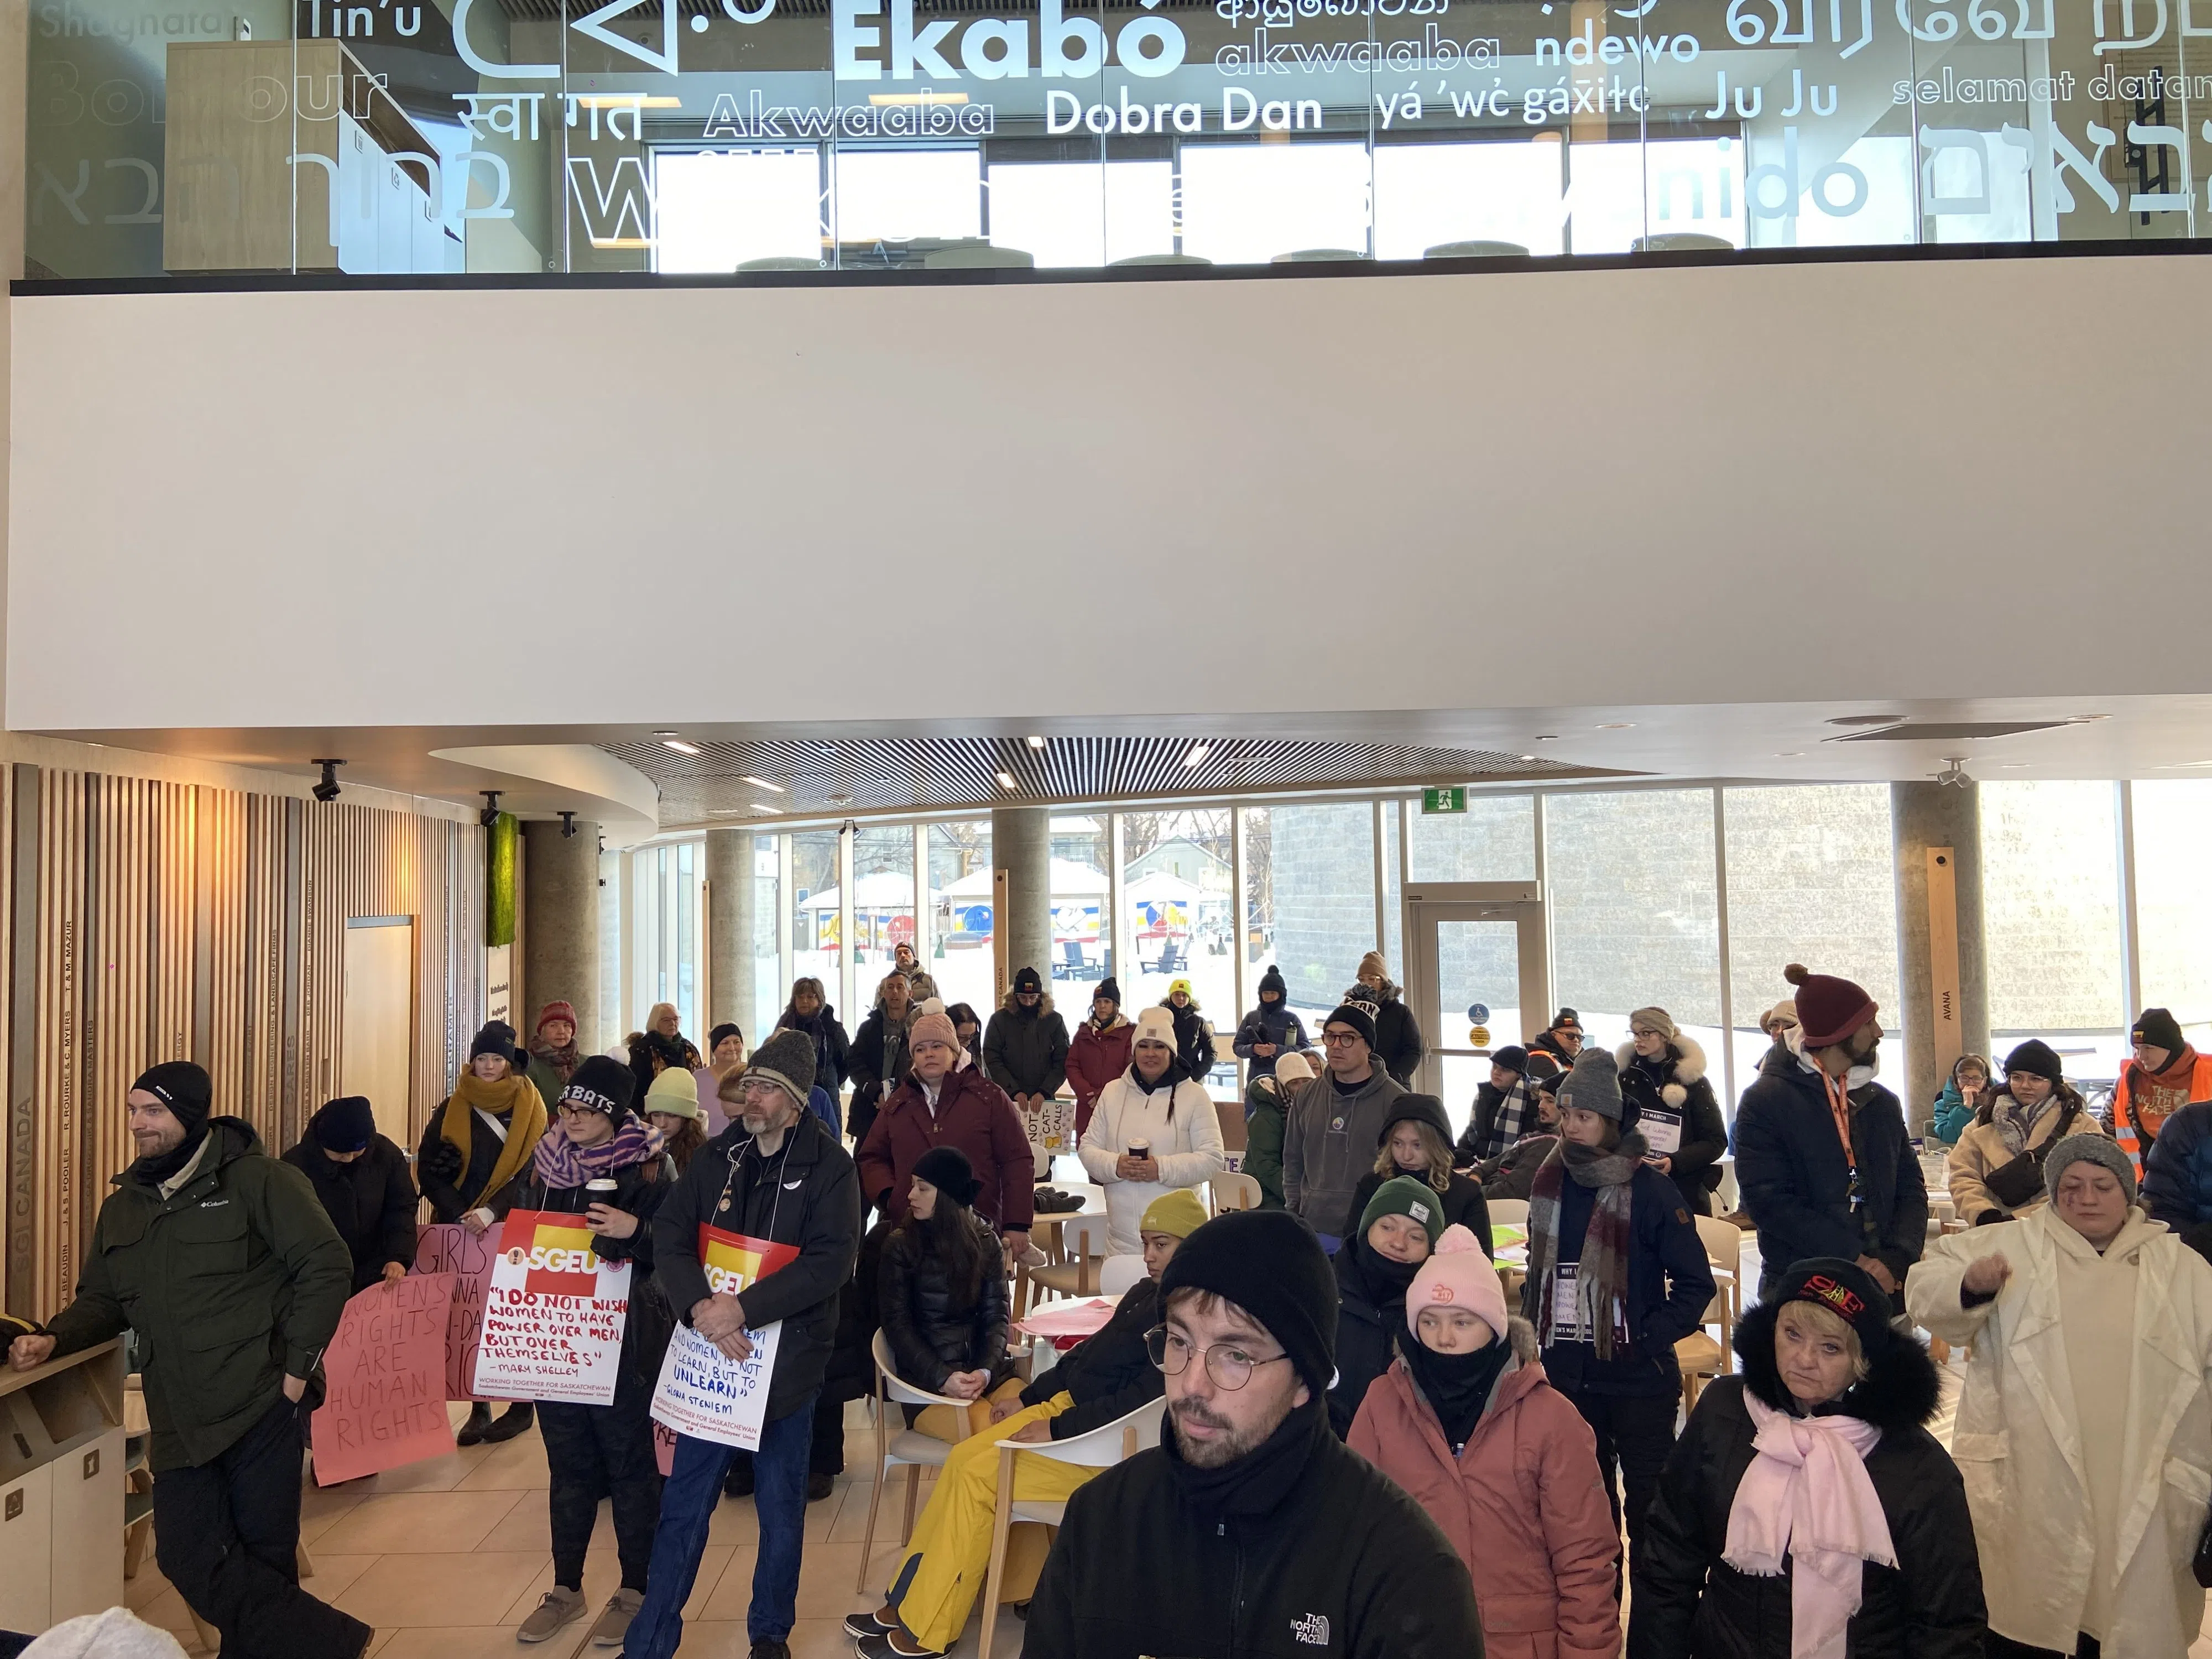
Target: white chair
point(1224, 1193)
point(910, 1447)
point(1083, 1240)
point(1698, 1354)
point(1509, 1212)
point(1101, 1449)
point(1118, 1272)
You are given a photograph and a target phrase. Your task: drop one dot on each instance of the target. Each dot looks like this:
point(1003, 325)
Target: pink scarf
point(1807, 1496)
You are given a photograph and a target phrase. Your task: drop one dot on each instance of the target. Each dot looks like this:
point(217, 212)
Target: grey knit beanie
point(1594, 1086)
point(2091, 1146)
point(785, 1059)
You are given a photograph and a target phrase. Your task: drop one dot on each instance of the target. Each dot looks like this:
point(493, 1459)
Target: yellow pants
point(950, 1557)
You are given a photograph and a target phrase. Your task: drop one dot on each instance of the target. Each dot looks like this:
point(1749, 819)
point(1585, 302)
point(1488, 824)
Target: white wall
point(1717, 484)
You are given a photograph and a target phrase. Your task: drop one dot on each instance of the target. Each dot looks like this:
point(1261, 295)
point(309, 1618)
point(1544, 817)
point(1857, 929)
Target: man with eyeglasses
point(1251, 1529)
point(1562, 1039)
point(1333, 1125)
point(776, 1173)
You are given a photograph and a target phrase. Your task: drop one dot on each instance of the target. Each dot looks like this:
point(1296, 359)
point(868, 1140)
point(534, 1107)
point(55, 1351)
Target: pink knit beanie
point(1457, 1275)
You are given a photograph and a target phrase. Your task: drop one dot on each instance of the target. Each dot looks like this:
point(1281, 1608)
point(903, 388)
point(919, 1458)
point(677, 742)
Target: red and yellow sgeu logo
point(558, 1259)
point(733, 1261)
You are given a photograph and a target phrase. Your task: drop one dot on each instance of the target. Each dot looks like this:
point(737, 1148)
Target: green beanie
point(1403, 1196)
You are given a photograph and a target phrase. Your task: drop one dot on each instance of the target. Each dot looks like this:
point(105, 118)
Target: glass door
point(1476, 975)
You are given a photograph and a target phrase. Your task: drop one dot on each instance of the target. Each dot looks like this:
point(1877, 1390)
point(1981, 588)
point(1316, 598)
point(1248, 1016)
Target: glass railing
point(421, 136)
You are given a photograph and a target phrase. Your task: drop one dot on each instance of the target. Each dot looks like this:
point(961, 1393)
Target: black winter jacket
point(1346, 1567)
point(371, 1201)
point(1024, 1053)
point(1514, 1174)
point(870, 1079)
point(1108, 1374)
point(454, 1193)
point(1687, 1604)
point(1797, 1184)
point(639, 1188)
point(852, 1372)
point(1676, 1084)
point(1194, 1041)
point(1670, 1284)
point(1270, 1023)
point(1370, 1311)
point(805, 1193)
point(932, 1330)
point(1398, 1042)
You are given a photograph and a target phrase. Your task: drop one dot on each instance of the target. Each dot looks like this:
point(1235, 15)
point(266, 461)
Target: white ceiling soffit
point(547, 779)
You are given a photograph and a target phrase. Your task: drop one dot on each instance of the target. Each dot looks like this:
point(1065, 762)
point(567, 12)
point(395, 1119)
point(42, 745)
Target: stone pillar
point(1925, 816)
point(561, 928)
point(730, 919)
point(1021, 845)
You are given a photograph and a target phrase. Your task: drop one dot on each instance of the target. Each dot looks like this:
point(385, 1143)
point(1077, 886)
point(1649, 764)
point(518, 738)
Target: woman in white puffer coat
point(2085, 1432)
point(1155, 1105)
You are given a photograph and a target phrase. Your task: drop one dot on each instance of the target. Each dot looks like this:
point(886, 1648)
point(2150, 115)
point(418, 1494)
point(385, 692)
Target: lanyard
point(1839, 1108)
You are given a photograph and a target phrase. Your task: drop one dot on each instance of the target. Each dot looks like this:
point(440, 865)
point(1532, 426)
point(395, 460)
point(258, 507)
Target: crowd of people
point(1380, 1433)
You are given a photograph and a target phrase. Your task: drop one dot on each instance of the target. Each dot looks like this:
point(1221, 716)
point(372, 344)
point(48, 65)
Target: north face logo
point(1312, 1630)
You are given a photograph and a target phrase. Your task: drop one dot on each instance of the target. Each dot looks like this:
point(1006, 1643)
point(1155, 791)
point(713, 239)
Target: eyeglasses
point(1230, 1366)
point(1341, 1039)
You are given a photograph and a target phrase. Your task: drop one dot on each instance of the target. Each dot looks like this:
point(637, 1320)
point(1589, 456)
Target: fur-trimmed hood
point(1901, 1391)
point(1007, 1004)
point(1689, 1065)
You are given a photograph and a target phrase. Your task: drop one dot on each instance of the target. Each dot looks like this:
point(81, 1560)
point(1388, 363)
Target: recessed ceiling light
point(664, 734)
point(1614, 726)
point(1034, 741)
point(2012, 763)
point(1198, 752)
point(1528, 757)
point(2084, 718)
point(762, 783)
point(1547, 736)
point(679, 745)
point(1006, 780)
point(758, 807)
point(1866, 719)
point(1789, 754)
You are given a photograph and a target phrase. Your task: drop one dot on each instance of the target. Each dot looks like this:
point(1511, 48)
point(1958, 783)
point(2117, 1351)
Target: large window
point(815, 918)
point(1634, 913)
point(2050, 902)
point(2173, 902)
point(1810, 879)
point(882, 907)
point(1310, 897)
point(1246, 204)
point(720, 209)
point(1494, 840)
point(960, 958)
point(1179, 912)
point(768, 960)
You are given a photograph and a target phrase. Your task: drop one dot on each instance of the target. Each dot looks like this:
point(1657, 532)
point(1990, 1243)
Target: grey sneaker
point(561, 1607)
point(614, 1623)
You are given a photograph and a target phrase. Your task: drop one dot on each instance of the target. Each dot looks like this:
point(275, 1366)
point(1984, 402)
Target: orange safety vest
point(2135, 1125)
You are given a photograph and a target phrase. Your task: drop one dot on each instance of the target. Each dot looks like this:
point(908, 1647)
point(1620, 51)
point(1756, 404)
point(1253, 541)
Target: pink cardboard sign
point(385, 1372)
point(449, 1247)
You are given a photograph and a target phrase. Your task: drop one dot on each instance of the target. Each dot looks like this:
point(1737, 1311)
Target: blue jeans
point(687, 1505)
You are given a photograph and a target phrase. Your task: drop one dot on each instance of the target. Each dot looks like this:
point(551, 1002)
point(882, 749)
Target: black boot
point(819, 1486)
point(738, 1482)
point(473, 1429)
point(515, 1419)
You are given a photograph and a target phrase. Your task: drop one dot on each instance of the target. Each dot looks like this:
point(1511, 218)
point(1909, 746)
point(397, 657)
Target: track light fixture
point(490, 816)
point(567, 826)
point(327, 790)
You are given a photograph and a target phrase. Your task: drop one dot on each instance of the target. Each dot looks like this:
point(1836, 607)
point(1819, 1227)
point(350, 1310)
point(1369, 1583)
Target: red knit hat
point(553, 1010)
point(1829, 1009)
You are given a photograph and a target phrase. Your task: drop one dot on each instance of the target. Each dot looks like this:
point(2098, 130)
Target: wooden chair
point(1102, 1448)
point(1698, 1354)
point(1118, 1272)
point(1084, 1240)
point(910, 1447)
point(1224, 1193)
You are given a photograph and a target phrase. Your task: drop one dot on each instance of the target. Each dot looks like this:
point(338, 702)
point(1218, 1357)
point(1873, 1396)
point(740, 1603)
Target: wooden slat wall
point(117, 923)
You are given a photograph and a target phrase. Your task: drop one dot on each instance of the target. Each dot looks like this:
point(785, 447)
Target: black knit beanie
point(2037, 1059)
point(947, 1169)
point(1110, 989)
point(1358, 1017)
point(727, 1029)
point(603, 1084)
point(1273, 981)
point(2158, 1028)
point(1269, 1264)
point(1845, 1289)
point(497, 1038)
point(1026, 980)
point(181, 1086)
point(344, 1125)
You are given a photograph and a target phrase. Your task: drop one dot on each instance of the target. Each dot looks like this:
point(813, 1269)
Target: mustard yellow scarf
point(514, 1097)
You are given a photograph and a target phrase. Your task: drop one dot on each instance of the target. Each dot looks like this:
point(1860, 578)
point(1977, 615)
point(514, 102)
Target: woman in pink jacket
point(1465, 1422)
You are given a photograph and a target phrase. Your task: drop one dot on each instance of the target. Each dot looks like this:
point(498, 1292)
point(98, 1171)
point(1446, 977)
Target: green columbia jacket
point(231, 1283)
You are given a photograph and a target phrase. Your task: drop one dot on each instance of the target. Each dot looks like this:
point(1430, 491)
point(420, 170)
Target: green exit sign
point(1445, 800)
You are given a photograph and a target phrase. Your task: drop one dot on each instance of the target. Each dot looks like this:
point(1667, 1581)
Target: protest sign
point(384, 1372)
point(554, 1314)
point(450, 1248)
point(703, 1392)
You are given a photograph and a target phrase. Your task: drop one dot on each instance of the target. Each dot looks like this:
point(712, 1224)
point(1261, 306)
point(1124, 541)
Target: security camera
point(490, 816)
point(327, 790)
point(567, 826)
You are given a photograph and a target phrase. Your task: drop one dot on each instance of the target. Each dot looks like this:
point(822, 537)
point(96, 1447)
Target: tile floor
point(446, 1558)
